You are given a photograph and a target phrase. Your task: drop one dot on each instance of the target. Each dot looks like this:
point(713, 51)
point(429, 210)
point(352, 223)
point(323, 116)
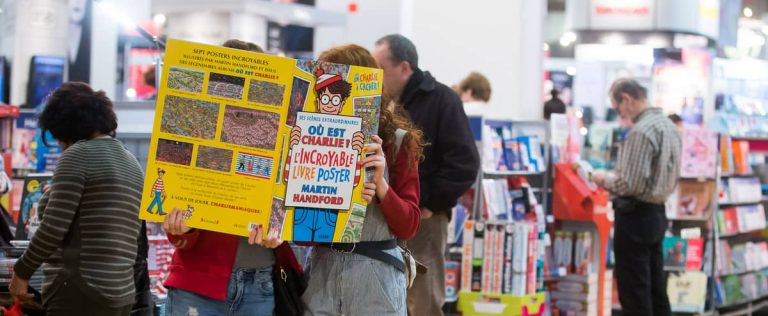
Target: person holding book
point(646, 175)
point(368, 277)
point(449, 167)
point(212, 273)
point(89, 234)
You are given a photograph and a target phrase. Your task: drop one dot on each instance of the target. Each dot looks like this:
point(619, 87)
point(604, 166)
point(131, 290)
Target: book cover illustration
point(228, 125)
point(675, 252)
point(34, 187)
point(699, 153)
point(695, 199)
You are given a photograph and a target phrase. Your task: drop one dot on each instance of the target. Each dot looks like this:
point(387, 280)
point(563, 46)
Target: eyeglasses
point(325, 99)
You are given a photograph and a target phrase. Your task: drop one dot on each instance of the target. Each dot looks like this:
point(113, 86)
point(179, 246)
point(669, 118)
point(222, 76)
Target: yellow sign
point(222, 138)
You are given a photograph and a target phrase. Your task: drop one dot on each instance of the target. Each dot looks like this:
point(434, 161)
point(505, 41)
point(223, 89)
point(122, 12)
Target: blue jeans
point(250, 293)
point(157, 201)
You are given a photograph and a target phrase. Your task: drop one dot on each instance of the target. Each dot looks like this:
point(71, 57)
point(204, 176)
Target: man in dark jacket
point(449, 167)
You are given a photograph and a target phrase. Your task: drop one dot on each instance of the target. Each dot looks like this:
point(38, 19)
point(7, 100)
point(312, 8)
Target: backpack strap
point(399, 135)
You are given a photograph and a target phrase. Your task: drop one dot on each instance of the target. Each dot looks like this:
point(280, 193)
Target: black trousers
point(637, 245)
point(69, 300)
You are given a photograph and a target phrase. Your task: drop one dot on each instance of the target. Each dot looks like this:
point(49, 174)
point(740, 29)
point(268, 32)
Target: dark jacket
point(451, 161)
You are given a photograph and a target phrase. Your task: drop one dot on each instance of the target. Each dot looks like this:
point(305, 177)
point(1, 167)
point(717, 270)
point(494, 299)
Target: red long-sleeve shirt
point(400, 205)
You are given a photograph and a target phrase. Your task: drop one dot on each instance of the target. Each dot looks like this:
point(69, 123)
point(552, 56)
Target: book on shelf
point(478, 250)
point(699, 153)
point(533, 250)
point(749, 286)
point(683, 253)
point(732, 289)
point(498, 258)
point(509, 235)
point(726, 155)
point(488, 250)
point(743, 190)
point(728, 221)
point(694, 199)
point(575, 294)
point(511, 150)
point(740, 156)
point(467, 257)
point(751, 217)
point(519, 262)
point(493, 150)
point(687, 291)
point(675, 252)
point(502, 258)
point(694, 253)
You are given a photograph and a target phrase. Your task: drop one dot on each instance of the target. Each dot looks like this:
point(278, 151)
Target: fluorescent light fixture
point(570, 36)
point(748, 12)
point(159, 19)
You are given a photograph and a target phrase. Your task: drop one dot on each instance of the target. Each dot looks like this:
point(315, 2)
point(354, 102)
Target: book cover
point(584, 256)
point(740, 159)
point(466, 255)
point(695, 251)
point(687, 291)
point(568, 245)
point(732, 289)
point(675, 251)
point(478, 250)
point(490, 240)
point(498, 259)
point(751, 217)
point(726, 155)
point(749, 286)
point(699, 153)
point(738, 258)
point(695, 199)
point(29, 221)
point(525, 156)
point(744, 190)
point(511, 150)
point(533, 252)
point(731, 220)
point(509, 232)
point(519, 264)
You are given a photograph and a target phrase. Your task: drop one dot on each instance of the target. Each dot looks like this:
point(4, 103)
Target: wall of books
point(499, 231)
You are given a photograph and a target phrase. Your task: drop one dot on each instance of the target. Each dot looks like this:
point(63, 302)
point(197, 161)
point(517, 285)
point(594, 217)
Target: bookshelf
point(510, 193)
point(741, 269)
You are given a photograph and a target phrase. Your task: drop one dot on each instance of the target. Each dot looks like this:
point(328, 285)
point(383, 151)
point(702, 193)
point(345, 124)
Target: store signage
point(622, 14)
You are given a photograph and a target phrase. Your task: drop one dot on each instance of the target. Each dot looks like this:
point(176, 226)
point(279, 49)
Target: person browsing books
point(89, 234)
point(212, 273)
point(449, 167)
point(646, 174)
point(343, 280)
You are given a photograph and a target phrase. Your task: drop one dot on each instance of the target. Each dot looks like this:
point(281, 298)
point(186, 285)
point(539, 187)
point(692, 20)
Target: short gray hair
point(401, 49)
point(629, 86)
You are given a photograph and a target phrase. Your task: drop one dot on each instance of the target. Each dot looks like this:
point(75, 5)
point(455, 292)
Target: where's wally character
point(331, 92)
point(158, 189)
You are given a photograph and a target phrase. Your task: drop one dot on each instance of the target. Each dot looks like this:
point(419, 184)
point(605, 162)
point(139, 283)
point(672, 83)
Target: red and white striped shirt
point(158, 186)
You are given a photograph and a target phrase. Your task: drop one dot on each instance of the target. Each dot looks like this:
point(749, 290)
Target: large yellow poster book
point(243, 139)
